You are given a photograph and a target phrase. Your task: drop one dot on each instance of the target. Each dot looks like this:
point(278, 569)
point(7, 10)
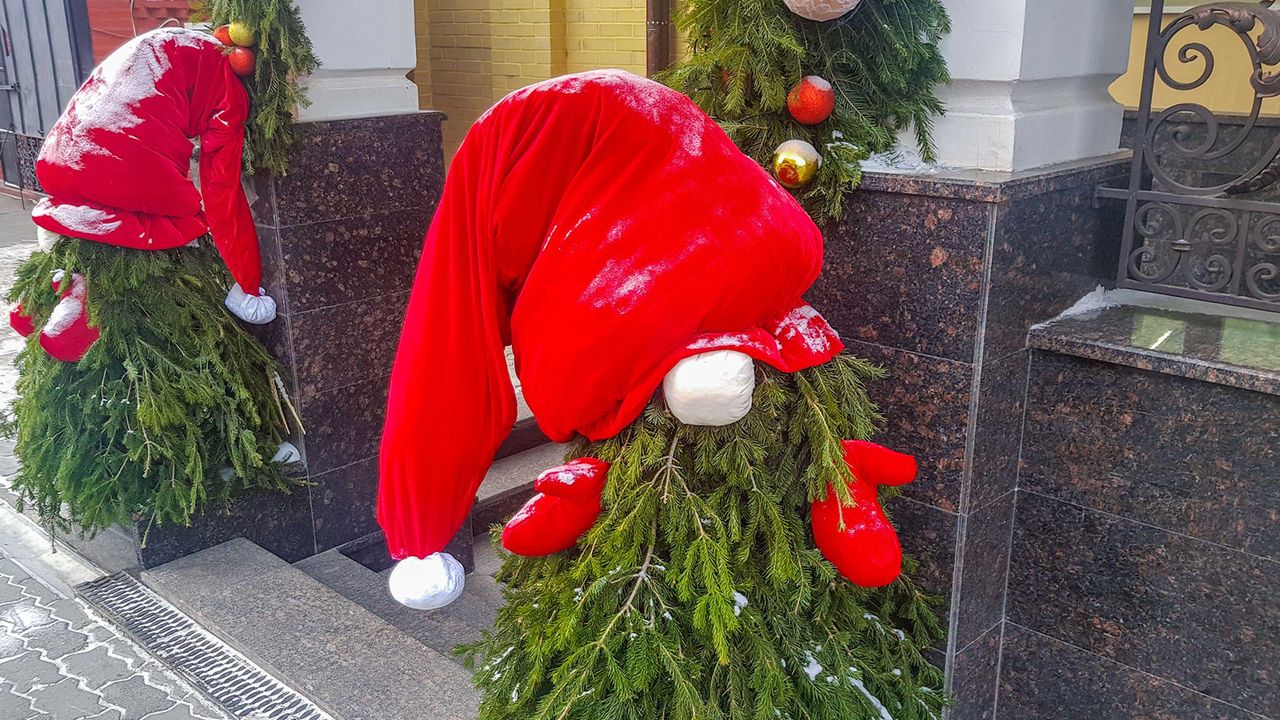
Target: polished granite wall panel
point(985, 566)
point(1045, 679)
point(331, 353)
point(997, 436)
point(341, 505)
point(906, 271)
point(974, 681)
point(1191, 457)
point(1193, 613)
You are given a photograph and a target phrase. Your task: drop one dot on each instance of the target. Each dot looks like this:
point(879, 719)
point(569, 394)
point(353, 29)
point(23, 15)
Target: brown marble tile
point(982, 577)
point(997, 439)
point(929, 536)
point(278, 522)
point(1049, 250)
point(344, 503)
point(975, 678)
point(339, 261)
point(342, 168)
point(1199, 615)
point(925, 401)
point(343, 425)
point(996, 186)
point(1188, 456)
point(1045, 679)
point(906, 271)
point(344, 344)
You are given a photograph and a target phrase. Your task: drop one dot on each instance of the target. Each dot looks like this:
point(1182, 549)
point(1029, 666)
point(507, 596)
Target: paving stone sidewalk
point(59, 661)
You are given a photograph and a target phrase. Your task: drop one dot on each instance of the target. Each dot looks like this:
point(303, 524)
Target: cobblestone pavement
point(58, 659)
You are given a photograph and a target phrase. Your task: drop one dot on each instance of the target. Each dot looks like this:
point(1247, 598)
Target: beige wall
point(473, 52)
point(1228, 89)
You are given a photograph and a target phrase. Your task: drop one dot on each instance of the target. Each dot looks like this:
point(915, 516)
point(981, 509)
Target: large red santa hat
point(607, 229)
point(116, 164)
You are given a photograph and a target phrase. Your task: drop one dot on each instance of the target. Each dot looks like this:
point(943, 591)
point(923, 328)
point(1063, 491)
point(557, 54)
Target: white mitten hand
point(427, 583)
point(258, 309)
point(712, 388)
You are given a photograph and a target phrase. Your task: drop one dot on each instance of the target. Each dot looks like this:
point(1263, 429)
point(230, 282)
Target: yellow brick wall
point(473, 52)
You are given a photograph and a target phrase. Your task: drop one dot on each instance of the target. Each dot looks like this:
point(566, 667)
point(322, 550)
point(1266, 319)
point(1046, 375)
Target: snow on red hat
point(606, 228)
point(116, 164)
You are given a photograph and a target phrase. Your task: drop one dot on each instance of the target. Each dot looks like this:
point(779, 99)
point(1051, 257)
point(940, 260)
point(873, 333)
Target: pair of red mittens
point(565, 507)
point(67, 334)
point(866, 551)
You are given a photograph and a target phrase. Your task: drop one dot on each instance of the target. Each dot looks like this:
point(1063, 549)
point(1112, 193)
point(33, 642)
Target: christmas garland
point(745, 57)
point(283, 55)
point(175, 406)
point(699, 594)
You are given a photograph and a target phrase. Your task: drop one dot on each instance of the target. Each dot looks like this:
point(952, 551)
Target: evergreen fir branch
point(883, 59)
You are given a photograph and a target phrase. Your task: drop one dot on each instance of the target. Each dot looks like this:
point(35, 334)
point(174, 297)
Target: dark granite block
point(1045, 679)
point(340, 168)
point(344, 344)
point(1189, 456)
point(1049, 250)
point(1197, 614)
point(976, 677)
point(279, 522)
point(906, 271)
point(986, 563)
point(929, 536)
point(997, 440)
point(925, 401)
point(344, 503)
point(344, 425)
point(993, 186)
point(354, 258)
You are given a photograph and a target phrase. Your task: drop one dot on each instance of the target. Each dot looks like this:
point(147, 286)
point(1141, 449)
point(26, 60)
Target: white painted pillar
point(366, 50)
point(1030, 82)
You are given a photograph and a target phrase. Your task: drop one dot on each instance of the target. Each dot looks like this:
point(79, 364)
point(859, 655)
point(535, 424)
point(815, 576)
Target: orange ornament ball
point(811, 100)
point(243, 61)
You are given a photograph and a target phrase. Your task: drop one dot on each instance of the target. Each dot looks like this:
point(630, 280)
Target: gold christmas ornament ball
point(822, 10)
point(796, 163)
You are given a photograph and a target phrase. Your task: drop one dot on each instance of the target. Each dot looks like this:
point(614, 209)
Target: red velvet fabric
point(565, 506)
point(606, 228)
point(117, 162)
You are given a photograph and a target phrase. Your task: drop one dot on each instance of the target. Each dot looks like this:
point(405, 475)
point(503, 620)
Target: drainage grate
point(213, 667)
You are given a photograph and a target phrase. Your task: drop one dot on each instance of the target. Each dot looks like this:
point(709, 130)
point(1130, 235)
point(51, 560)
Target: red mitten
point(20, 321)
point(67, 335)
point(565, 508)
point(866, 551)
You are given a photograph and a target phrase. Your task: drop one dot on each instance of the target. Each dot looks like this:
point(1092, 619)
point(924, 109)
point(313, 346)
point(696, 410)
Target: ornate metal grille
point(1203, 205)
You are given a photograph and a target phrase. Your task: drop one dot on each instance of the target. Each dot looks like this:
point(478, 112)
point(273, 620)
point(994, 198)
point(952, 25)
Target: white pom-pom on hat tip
point(257, 309)
point(427, 583)
point(711, 389)
point(46, 239)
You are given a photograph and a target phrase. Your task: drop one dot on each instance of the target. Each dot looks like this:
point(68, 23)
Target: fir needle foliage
point(743, 56)
point(699, 593)
point(174, 407)
point(284, 55)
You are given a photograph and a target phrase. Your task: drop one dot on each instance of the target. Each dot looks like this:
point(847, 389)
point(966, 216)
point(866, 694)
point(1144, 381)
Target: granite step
point(345, 658)
point(509, 483)
point(441, 630)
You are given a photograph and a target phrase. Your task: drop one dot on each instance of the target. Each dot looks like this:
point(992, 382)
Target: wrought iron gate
point(1203, 205)
point(46, 56)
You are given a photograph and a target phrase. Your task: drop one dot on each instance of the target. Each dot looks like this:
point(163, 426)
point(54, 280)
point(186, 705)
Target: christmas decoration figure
point(140, 397)
point(670, 569)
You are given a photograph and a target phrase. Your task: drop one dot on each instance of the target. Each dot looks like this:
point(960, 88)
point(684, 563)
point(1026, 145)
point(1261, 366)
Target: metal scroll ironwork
point(1203, 203)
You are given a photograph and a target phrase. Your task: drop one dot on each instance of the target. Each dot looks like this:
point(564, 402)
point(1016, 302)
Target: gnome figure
point(116, 167)
point(612, 234)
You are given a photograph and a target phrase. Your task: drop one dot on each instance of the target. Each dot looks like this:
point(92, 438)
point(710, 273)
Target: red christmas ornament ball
point(223, 35)
point(243, 61)
point(811, 100)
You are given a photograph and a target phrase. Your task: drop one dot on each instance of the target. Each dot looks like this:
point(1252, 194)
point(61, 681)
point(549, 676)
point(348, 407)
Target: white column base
point(340, 94)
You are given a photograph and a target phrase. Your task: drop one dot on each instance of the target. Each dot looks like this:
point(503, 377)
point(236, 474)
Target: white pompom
point(46, 239)
point(258, 309)
point(427, 583)
point(712, 388)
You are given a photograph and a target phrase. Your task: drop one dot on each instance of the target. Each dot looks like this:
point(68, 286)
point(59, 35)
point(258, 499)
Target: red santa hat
point(116, 164)
point(605, 228)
